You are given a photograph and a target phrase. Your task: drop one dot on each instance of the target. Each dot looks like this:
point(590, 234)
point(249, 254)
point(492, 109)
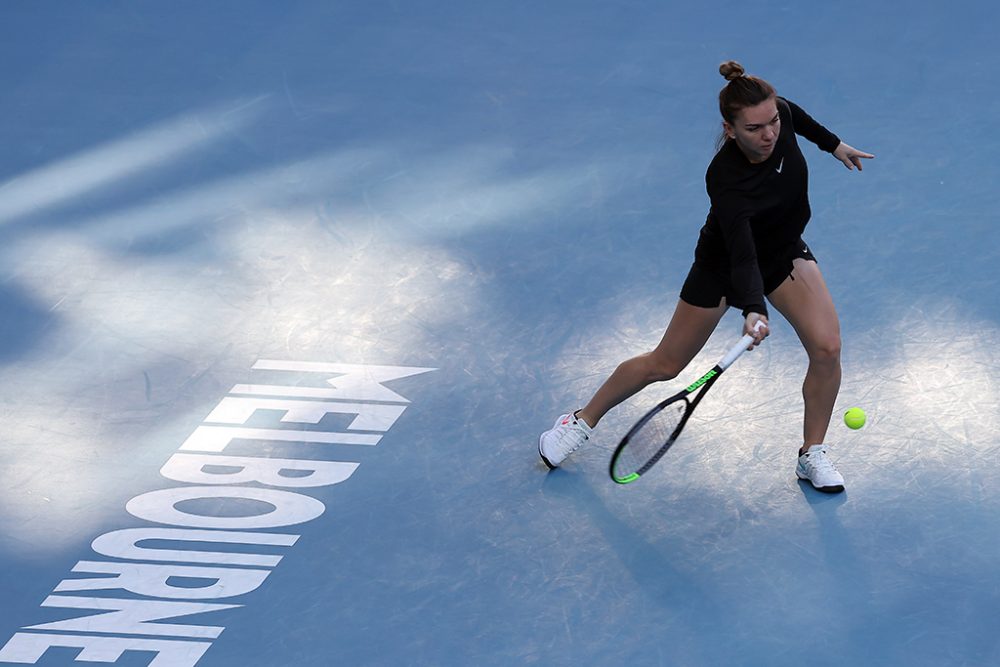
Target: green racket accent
point(658, 429)
point(702, 380)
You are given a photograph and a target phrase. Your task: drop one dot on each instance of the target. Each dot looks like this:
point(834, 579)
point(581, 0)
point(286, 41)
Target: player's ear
point(728, 129)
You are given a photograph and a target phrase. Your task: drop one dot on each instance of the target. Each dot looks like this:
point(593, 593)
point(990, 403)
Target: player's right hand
point(750, 328)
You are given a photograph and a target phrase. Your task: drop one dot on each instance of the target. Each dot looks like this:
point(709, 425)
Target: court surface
point(399, 239)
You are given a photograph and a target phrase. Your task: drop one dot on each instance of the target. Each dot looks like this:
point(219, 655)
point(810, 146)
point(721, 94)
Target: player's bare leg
point(805, 301)
point(688, 331)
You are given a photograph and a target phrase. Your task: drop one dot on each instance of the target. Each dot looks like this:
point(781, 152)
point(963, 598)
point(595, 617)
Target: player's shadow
point(841, 559)
point(818, 499)
point(838, 551)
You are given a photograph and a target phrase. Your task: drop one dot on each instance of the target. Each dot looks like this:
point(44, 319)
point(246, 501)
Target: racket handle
point(739, 348)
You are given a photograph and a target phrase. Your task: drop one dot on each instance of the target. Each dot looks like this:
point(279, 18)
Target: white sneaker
point(817, 467)
point(564, 438)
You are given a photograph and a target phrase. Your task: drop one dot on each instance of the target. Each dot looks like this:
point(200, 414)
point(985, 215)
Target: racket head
point(649, 439)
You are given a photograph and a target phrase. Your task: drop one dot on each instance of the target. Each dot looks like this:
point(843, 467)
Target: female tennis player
point(749, 248)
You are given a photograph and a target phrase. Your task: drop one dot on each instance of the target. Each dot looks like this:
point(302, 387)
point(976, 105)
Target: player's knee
point(661, 370)
point(826, 350)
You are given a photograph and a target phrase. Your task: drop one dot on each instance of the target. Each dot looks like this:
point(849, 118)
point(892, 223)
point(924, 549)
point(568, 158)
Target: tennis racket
point(657, 431)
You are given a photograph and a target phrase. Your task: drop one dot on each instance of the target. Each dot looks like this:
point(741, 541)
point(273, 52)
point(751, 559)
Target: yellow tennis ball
point(854, 418)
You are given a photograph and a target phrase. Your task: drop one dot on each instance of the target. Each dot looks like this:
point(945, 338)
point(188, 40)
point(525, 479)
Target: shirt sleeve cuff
point(830, 144)
point(760, 309)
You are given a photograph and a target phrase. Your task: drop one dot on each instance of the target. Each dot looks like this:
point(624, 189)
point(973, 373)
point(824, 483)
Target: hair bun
point(731, 70)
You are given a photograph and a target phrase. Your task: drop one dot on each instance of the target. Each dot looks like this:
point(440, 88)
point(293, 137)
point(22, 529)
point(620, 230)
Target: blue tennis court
point(289, 291)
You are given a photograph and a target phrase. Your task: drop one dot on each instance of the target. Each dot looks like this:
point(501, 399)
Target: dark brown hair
point(741, 92)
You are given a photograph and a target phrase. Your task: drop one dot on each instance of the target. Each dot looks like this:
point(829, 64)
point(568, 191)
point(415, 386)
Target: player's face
point(755, 130)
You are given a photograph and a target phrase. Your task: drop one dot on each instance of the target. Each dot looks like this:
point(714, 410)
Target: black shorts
point(706, 287)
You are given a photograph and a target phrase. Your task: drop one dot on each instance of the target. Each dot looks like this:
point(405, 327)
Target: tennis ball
point(854, 418)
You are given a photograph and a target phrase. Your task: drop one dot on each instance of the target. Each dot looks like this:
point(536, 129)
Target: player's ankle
point(805, 448)
point(585, 418)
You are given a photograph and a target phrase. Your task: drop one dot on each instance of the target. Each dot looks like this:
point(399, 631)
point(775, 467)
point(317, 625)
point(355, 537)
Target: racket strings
point(646, 444)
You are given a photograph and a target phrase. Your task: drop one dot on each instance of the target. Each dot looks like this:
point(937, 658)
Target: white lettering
point(370, 416)
point(124, 544)
point(131, 617)
point(356, 382)
point(225, 504)
point(154, 580)
point(217, 438)
point(288, 508)
point(27, 647)
point(191, 468)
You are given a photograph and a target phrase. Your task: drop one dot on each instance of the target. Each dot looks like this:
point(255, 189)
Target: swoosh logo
point(780, 165)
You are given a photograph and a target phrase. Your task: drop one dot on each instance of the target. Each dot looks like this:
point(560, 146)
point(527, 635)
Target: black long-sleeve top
point(759, 211)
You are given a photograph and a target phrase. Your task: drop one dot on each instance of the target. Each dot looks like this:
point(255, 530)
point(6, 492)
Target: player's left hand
point(850, 156)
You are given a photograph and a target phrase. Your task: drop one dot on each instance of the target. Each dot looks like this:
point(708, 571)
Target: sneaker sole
point(825, 489)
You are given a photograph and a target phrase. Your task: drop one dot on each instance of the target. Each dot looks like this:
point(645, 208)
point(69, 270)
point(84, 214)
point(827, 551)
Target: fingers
point(760, 334)
point(851, 156)
point(757, 328)
point(856, 158)
point(852, 159)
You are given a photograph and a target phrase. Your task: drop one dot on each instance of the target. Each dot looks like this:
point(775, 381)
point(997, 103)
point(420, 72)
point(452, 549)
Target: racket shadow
point(650, 565)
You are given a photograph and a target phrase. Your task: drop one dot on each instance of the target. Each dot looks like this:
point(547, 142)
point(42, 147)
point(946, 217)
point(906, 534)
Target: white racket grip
point(739, 348)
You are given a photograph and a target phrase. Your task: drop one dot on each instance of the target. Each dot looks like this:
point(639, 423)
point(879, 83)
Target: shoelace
point(821, 463)
point(572, 434)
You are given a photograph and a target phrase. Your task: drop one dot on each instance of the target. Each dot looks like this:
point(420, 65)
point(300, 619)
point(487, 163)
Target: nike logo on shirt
point(780, 165)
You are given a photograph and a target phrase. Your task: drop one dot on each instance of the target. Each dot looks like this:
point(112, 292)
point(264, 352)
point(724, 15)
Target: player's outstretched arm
point(850, 156)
